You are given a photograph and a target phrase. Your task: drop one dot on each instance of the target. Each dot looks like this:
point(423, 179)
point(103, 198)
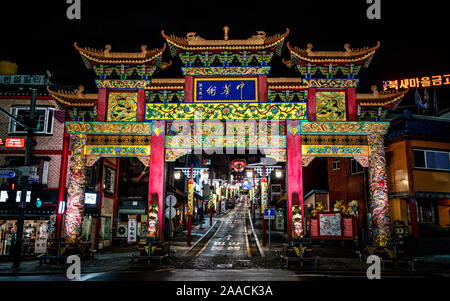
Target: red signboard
point(314, 227)
point(348, 227)
point(15, 142)
point(333, 225)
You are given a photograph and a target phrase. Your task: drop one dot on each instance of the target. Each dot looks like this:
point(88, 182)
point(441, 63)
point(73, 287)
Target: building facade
point(47, 162)
point(417, 154)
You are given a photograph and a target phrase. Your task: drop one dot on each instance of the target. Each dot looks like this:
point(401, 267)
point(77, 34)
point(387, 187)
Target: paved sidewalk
point(337, 258)
point(105, 261)
point(179, 242)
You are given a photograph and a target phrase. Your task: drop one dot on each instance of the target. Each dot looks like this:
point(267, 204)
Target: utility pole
point(24, 185)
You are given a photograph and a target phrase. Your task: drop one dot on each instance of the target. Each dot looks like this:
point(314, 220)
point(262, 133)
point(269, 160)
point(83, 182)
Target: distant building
point(46, 160)
point(418, 171)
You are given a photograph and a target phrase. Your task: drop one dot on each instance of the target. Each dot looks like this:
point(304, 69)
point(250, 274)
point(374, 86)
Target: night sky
point(414, 36)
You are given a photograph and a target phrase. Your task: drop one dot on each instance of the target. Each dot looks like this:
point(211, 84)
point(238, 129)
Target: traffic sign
point(269, 213)
point(7, 174)
point(171, 201)
point(170, 212)
point(15, 142)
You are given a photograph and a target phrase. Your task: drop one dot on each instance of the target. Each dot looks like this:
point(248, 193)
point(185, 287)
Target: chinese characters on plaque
point(226, 89)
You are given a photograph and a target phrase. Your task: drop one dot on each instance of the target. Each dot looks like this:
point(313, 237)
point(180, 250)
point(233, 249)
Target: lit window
point(336, 165)
point(426, 212)
point(431, 159)
point(43, 116)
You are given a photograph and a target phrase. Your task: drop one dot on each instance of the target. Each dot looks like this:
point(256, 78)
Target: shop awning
point(432, 195)
point(133, 207)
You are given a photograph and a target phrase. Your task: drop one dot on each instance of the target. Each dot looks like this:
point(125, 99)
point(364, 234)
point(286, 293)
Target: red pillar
point(262, 205)
point(311, 104)
point(99, 205)
point(351, 105)
point(262, 88)
point(101, 104)
point(294, 171)
point(140, 114)
point(156, 172)
point(189, 88)
point(62, 182)
point(115, 198)
point(190, 204)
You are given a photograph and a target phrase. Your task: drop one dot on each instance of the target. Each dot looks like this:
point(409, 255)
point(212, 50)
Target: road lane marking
point(89, 276)
point(261, 251)
point(204, 247)
point(164, 270)
point(196, 243)
point(249, 253)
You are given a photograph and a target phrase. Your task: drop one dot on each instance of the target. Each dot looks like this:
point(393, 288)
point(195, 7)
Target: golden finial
point(80, 90)
point(347, 47)
point(165, 65)
point(107, 50)
point(374, 90)
point(288, 63)
point(309, 48)
point(226, 30)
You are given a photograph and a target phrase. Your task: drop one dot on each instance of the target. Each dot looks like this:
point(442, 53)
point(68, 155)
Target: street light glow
point(278, 173)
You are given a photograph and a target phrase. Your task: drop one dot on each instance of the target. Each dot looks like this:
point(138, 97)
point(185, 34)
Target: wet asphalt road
point(230, 239)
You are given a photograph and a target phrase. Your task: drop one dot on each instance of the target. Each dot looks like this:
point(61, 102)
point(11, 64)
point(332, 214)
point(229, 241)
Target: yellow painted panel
point(335, 150)
point(430, 144)
point(444, 216)
point(436, 181)
point(122, 106)
point(397, 167)
point(117, 151)
point(398, 210)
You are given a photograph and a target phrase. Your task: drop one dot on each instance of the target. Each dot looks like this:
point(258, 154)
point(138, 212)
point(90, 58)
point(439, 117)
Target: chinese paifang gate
point(226, 80)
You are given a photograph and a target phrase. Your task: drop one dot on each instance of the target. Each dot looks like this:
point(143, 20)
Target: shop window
point(431, 159)
point(92, 177)
point(43, 116)
point(109, 180)
point(38, 170)
point(426, 212)
point(355, 167)
point(86, 228)
point(336, 165)
point(105, 230)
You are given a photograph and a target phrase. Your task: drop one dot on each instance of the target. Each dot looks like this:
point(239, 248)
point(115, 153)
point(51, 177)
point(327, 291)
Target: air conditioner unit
point(122, 231)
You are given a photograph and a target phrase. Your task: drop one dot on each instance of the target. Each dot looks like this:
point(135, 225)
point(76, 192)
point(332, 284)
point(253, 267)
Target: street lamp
point(177, 175)
point(278, 173)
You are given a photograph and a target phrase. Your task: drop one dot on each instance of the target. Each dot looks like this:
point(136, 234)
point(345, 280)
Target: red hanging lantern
point(238, 165)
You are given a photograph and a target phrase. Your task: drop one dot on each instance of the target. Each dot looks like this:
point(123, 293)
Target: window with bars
point(430, 159)
point(336, 165)
point(43, 116)
point(355, 167)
